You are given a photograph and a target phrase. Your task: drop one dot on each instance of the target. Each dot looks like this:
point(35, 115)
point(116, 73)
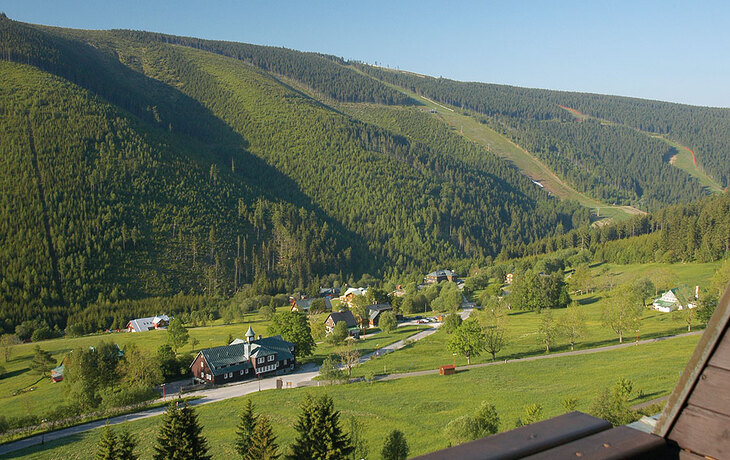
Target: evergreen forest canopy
point(615, 162)
point(148, 172)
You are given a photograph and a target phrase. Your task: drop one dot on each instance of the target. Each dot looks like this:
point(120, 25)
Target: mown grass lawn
point(421, 406)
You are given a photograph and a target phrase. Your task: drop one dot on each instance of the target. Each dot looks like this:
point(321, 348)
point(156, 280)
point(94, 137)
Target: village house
point(346, 316)
point(374, 312)
point(350, 294)
point(440, 275)
point(244, 359)
point(670, 301)
point(304, 305)
point(329, 292)
point(148, 324)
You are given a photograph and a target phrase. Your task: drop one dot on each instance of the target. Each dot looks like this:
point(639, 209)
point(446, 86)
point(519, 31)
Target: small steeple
point(250, 334)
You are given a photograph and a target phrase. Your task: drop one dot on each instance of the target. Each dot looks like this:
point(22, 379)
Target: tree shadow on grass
point(14, 373)
point(47, 446)
point(588, 300)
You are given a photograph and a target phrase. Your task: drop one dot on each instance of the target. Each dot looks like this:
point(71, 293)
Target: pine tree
point(194, 443)
point(168, 438)
point(263, 442)
point(180, 436)
point(320, 435)
point(107, 447)
point(245, 429)
point(126, 445)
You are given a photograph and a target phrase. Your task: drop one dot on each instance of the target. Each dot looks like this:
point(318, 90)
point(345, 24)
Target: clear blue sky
point(667, 50)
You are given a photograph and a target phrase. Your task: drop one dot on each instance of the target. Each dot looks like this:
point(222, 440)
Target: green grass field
point(421, 406)
point(522, 326)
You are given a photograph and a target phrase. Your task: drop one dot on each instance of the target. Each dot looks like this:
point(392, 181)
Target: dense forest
point(139, 168)
point(590, 154)
point(698, 231)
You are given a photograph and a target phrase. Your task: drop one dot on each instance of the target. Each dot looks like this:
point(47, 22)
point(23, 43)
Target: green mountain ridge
point(167, 169)
point(613, 162)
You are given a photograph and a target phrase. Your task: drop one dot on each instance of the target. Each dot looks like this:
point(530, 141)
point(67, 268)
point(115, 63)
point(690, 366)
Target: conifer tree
point(320, 435)
point(263, 442)
point(180, 436)
point(194, 443)
point(126, 444)
point(107, 447)
point(245, 429)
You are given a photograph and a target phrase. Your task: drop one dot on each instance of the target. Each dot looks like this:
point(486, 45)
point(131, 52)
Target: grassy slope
point(522, 326)
point(521, 158)
point(683, 160)
point(421, 406)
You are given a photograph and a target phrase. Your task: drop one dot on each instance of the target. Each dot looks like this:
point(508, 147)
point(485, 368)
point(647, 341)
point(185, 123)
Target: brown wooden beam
point(525, 440)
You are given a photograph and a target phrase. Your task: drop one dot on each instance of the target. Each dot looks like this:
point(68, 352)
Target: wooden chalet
point(694, 425)
point(346, 316)
point(304, 305)
point(244, 359)
point(350, 294)
point(374, 312)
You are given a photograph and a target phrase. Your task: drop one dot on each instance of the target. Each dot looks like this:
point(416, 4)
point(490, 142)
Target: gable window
point(241, 371)
point(272, 357)
point(261, 360)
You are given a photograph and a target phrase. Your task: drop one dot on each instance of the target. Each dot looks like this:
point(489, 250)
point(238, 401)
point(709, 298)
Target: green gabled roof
point(277, 344)
point(225, 355)
point(234, 358)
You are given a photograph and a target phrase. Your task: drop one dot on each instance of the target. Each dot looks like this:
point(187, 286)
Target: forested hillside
point(689, 232)
point(614, 163)
point(140, 168)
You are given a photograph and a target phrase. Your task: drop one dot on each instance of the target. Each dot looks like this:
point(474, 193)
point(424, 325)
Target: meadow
point(522, 326)
point(422, 406)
